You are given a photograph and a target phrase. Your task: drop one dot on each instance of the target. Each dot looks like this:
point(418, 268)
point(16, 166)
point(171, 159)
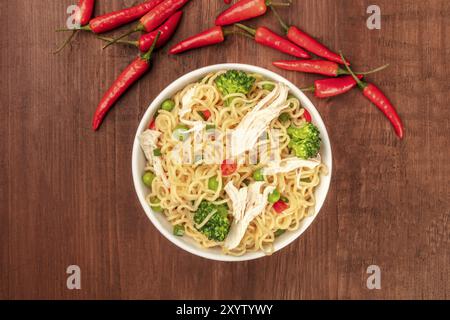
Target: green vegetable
point(305, 141)
point(218, 225)
point(274, 196)
point(284, 117)
point(268, 87)
point(168, 105)
point(279, 232)
point(148, 178)
point(284, 199)
point(154, 203)
point(157, 153)
point(178, 230)
point(210, 127)
point(258, 175)
point(234, 81)
point(213, 184)
point(180, 132)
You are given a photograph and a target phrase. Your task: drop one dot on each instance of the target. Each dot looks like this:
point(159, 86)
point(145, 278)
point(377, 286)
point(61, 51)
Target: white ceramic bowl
point(138, 163)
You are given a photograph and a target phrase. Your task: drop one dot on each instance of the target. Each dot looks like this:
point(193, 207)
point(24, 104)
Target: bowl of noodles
point(231, 162)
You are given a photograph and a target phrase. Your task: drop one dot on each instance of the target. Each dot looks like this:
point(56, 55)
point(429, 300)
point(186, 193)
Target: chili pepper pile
point(159, 19)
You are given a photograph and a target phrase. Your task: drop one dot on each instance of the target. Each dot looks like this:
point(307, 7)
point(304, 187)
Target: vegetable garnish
point(228, 167)
point(212, 220)
point(127, 78)
point(157, 153)
point(377, 97)
point(268, 38)
point(234, 81)
point(280, 206)
point(305, 141)
point(213, 183)
point(148, 178)
point(178, 230)
point(274, 196)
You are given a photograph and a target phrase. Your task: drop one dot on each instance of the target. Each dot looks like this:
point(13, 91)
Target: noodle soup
point(233, 162)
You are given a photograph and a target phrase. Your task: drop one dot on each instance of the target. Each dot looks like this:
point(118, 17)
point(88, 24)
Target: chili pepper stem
point(129, 42)
point(148, 55)
point(65, 43)
point(230, 32)
point(360, 83)
point(280, 20)
point(270, 3)
point(309, 89)
point(137, 29)
point(345, 72)
point(246, 28)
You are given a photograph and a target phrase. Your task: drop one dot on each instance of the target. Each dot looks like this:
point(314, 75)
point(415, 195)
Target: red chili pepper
point(206, 114)
point(152, 125)
point(126, 79)
point(86, 11)
point(154, 18)
point(377, 97)
point(307, 42)
point(206, 38)
point(307, 116)
point(268, 38)
point(323, 67)
point(228, 167)
point(113, 20)
point(326, 88)
point(145, 41)
point(280, 206)
point(242, 10)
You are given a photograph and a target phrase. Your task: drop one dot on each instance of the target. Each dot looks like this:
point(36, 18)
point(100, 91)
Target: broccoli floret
point(218, 225)
point(234, 81)
point(305, 141)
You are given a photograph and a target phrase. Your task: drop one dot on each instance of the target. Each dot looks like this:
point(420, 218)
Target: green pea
point(168, 105)
point(268, 86)
point(258, 175)
point(178, 230)
point(274, 196)
point(213, 184)
point(279, 232)
point(148, 178)
point(284, 117)
point(154, 203)
point(180, 132)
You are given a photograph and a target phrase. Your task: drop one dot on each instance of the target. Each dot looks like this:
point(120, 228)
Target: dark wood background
point(67, 195)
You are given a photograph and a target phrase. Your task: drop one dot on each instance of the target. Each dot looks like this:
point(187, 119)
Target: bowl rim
point(178, 84)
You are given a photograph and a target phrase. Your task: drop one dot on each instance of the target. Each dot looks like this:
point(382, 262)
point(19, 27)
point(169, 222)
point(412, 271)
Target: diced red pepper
point(152, 125)
point(228, 167)
point(307, 116)
point(280, 206)
point(206, 114)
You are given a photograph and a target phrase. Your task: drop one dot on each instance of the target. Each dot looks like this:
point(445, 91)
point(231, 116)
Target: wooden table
point(67, 196)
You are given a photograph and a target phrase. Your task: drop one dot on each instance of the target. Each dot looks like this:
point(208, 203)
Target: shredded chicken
point(289, 164)
point(247, 205)
point(148, 141)
point(253, 125)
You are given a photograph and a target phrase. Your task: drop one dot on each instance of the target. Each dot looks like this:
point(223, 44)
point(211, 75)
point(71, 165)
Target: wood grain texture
point(66, 194)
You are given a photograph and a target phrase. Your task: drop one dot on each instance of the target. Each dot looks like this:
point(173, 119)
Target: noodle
point(189, 182)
